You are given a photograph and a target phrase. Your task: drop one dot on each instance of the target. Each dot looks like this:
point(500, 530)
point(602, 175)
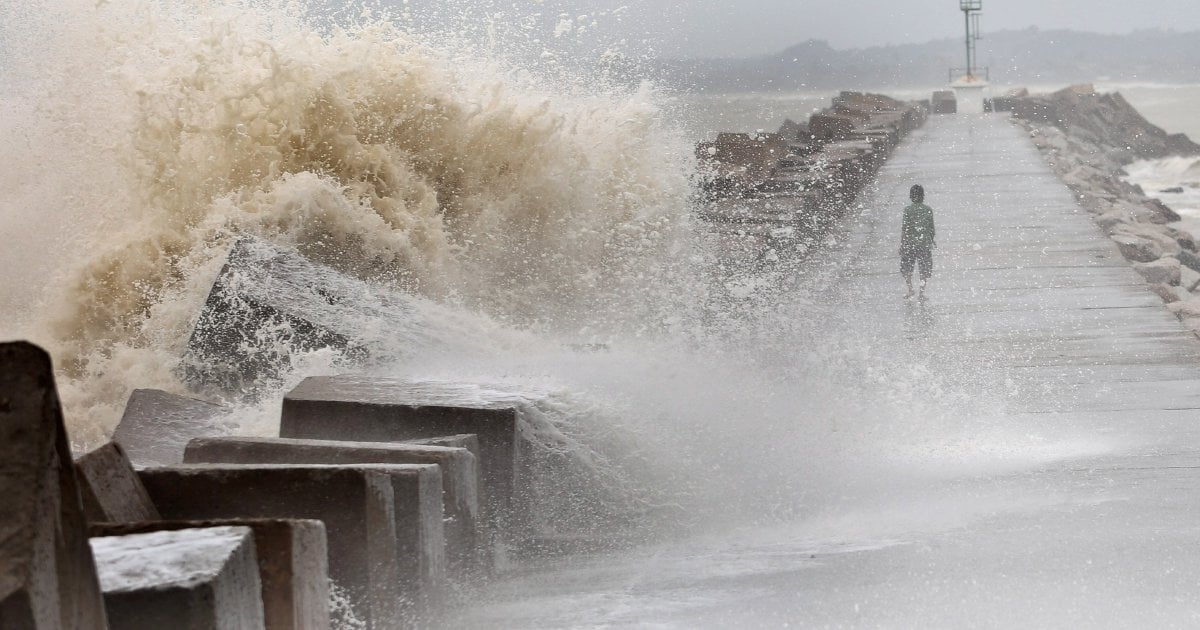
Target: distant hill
point(1026, 56)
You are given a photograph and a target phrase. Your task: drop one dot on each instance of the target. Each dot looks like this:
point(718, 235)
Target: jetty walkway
point(1058, 487)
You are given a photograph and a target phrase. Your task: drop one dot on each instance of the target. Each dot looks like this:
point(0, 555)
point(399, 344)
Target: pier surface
point(1066, 494)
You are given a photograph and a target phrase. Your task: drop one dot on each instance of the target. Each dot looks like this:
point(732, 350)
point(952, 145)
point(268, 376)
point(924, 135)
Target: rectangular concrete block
point(459, 472)
point(945, 102)
point(831, 127)
point(469, 441)
point(157, 425)
point(111, 489)
point(292, 565)
point(267, 303)
point(378, 550)
point(47, 572)
point(387, 410)
point(189, 578)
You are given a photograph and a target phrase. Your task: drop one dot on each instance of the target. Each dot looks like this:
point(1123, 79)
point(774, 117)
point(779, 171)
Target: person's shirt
point(917, 231)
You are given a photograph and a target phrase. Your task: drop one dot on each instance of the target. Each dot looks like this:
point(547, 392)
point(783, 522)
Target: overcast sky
point(715, 28)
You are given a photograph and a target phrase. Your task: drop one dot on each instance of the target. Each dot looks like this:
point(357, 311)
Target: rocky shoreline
point(1088, 139)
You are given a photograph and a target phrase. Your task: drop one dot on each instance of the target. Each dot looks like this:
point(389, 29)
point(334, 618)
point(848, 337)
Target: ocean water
point(1171, 107)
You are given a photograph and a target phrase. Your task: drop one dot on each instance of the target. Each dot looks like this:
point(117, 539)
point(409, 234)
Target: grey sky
point(750, 27)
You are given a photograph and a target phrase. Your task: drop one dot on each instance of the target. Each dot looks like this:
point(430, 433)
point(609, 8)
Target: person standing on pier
point(916, 240)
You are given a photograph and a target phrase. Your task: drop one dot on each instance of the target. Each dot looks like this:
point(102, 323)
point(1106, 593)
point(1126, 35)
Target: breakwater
point(378, 499)
point(792, 185)
point(1088, 138)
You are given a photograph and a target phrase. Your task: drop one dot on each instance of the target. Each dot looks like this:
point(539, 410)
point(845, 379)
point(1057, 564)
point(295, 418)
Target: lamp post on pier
point(971, 10)
point(968, 85)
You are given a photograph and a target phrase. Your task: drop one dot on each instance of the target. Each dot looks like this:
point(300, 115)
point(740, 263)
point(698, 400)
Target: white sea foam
point(160, 131)
point(1175, 181)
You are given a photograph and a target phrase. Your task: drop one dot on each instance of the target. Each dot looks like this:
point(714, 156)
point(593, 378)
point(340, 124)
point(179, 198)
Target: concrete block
point(388, 410)
point(292, 565)
point(190, 578)
point(945, 102)
point(383, 522)
point(459, 472)
point(156, 426)
point(47, 572)
point(111, 489)
point(829, 127)
point(469, 441)
point(268, 303)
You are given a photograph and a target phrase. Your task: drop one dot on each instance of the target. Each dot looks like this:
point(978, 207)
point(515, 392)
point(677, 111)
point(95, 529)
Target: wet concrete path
point(1091, 516)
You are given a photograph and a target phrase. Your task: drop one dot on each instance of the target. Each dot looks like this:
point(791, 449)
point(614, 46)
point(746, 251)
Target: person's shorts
point(920, 258)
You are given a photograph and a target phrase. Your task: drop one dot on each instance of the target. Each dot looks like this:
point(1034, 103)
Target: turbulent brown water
point(144, 136)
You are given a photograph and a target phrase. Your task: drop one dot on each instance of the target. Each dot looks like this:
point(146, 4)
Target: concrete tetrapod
point(292, 565)
point(383, 522)
point(460, 475)
point(189, 578)
point(47, 572)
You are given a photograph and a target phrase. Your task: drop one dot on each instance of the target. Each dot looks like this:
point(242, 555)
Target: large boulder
point(1165, 270)
point(1116, 211)
point(1137, 248)
point(1185, 239)
point(1112, 220)
point(1186, 309)
point(1142, 233)
point(1163, 213)
point(1107, 119)
point(1167, 293)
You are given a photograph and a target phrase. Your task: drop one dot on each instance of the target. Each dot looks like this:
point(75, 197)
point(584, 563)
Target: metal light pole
point(970, 83)
point(971, 9)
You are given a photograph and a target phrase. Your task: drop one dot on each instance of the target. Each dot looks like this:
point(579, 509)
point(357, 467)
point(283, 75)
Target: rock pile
point(1088, 138)
point(795, 183)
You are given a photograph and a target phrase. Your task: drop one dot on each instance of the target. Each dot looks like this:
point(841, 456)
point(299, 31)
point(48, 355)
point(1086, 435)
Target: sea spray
point(165, 131)
point(1173, 180)
point(422, 169)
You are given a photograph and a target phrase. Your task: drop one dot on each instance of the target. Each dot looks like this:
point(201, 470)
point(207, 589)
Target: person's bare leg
point(921, 290)
point(908, 283)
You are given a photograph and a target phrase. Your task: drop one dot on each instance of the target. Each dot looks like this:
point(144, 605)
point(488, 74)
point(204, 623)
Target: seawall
point(1088, 138)
point(789, 187)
